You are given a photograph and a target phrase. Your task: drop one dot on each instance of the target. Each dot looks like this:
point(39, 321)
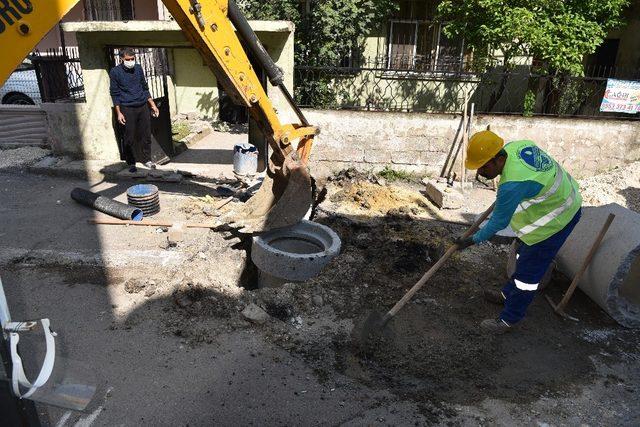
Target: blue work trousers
point(531, 265)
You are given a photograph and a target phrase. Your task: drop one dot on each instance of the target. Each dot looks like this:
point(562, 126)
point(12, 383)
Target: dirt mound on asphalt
point(368, 194)
point(620, 185)
point(381, 199)
point(438, 353)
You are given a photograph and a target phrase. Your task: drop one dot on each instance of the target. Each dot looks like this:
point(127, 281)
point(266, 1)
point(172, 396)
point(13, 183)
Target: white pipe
point(612, 280)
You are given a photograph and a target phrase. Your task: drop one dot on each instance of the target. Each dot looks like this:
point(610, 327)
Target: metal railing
point(59, 75)
point(109, 10)
point(379, 84)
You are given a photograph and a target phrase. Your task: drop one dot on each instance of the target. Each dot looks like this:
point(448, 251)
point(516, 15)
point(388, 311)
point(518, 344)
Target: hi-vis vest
point(540, 217)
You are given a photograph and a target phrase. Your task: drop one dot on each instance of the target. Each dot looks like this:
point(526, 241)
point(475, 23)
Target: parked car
point(21, 87)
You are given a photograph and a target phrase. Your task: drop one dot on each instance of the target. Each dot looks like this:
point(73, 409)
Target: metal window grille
point(58, 75)
point(423, 46)
point(371, 84)
point(109, 10)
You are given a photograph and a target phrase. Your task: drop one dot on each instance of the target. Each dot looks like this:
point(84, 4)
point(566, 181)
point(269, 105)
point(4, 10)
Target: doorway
point(155, 65)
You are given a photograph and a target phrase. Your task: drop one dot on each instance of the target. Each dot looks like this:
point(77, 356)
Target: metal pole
point(13, 411)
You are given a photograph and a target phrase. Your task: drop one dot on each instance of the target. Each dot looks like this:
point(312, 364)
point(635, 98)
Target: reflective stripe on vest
point(550, 192)
point(538, 218)
point(541, 222)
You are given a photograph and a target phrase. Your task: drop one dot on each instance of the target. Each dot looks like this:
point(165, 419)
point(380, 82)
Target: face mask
point(130, 64)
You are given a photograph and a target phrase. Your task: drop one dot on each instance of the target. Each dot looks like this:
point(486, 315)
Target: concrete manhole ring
point(295, 253)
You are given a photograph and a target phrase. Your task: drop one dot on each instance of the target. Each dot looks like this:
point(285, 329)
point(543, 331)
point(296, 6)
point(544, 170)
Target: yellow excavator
point(221, 33)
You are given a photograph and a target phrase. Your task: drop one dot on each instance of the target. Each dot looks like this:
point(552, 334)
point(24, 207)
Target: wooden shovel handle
point(474, 227)
point(576, 279)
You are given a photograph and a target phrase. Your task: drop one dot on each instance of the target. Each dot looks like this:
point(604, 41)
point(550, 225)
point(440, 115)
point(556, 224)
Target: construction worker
point(542, 204)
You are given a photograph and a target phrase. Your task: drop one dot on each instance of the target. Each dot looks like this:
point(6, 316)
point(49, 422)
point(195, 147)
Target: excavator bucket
point(279, 202)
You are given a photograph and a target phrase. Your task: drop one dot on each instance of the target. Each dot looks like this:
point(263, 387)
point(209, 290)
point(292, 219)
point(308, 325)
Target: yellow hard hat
point(483, 146)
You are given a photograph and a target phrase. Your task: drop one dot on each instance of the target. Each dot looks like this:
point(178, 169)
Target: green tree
point(557, 32)
point(326, 30)
point(271, 9)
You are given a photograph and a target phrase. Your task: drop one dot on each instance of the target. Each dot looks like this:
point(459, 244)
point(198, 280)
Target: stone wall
point(420, 142)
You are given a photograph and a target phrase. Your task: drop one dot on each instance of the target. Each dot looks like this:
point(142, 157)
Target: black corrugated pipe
point(106, 205)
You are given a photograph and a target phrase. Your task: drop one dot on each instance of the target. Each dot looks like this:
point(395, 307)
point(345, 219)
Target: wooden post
point(466, 139)
point(463, 144)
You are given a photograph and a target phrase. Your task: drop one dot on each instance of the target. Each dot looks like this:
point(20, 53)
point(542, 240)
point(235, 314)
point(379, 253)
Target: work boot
point(133, 168)
point(494, 326)
point(494, 296)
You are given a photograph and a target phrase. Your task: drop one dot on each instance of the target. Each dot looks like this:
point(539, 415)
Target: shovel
point(375, 321)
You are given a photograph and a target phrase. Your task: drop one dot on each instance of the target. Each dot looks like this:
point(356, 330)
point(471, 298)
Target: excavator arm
point(220, 32)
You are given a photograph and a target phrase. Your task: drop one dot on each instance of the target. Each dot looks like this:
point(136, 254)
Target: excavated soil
point(620, 185)
point(436, 351)
point(433, 352)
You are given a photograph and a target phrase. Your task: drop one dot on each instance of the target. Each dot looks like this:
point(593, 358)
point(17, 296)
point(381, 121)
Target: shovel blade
point(369, 332)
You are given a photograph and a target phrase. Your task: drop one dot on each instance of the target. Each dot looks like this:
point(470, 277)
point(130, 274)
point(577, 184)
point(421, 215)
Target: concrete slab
point(43, 225)
point(444, 195)
point(210, 157)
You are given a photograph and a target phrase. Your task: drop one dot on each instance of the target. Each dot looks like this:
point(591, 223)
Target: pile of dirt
point(620, 185)
point(368, 194)
point(437, 352)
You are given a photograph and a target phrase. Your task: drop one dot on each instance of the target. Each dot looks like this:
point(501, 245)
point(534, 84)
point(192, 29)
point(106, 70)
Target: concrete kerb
point(70, 168)
point(119, 259)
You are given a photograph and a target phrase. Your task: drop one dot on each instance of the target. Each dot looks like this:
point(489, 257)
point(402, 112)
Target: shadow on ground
point(175, 337)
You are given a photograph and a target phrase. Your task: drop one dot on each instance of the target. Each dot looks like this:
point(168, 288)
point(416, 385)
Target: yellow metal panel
point(220, 47)
point(23, 23)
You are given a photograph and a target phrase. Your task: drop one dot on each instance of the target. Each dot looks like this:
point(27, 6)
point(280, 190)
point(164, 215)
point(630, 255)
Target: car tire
point(18, 99)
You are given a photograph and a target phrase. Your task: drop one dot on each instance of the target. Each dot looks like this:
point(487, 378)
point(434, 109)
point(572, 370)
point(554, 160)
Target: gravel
point(20, 157)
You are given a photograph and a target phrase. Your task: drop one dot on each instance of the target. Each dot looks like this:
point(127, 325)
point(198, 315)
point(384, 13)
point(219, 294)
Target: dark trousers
point(137, 134)
point(531, 265)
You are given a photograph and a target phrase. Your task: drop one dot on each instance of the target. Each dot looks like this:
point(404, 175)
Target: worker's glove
point(464, 243)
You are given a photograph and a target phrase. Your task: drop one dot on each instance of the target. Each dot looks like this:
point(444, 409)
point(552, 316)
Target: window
point(109, 10)
point(602, 62)
point(418, 43)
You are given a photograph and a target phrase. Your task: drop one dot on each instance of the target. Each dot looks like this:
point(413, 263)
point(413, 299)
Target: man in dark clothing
point(132, 101)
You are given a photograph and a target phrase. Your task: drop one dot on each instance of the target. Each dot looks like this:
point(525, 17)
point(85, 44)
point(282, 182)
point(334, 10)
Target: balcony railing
point(109, 10)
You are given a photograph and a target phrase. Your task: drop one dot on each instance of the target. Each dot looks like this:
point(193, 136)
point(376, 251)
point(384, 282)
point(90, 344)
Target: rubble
point(255, 314)
point(367, 197)
point(436, 358)
point(175, 234)
point(443, 195)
